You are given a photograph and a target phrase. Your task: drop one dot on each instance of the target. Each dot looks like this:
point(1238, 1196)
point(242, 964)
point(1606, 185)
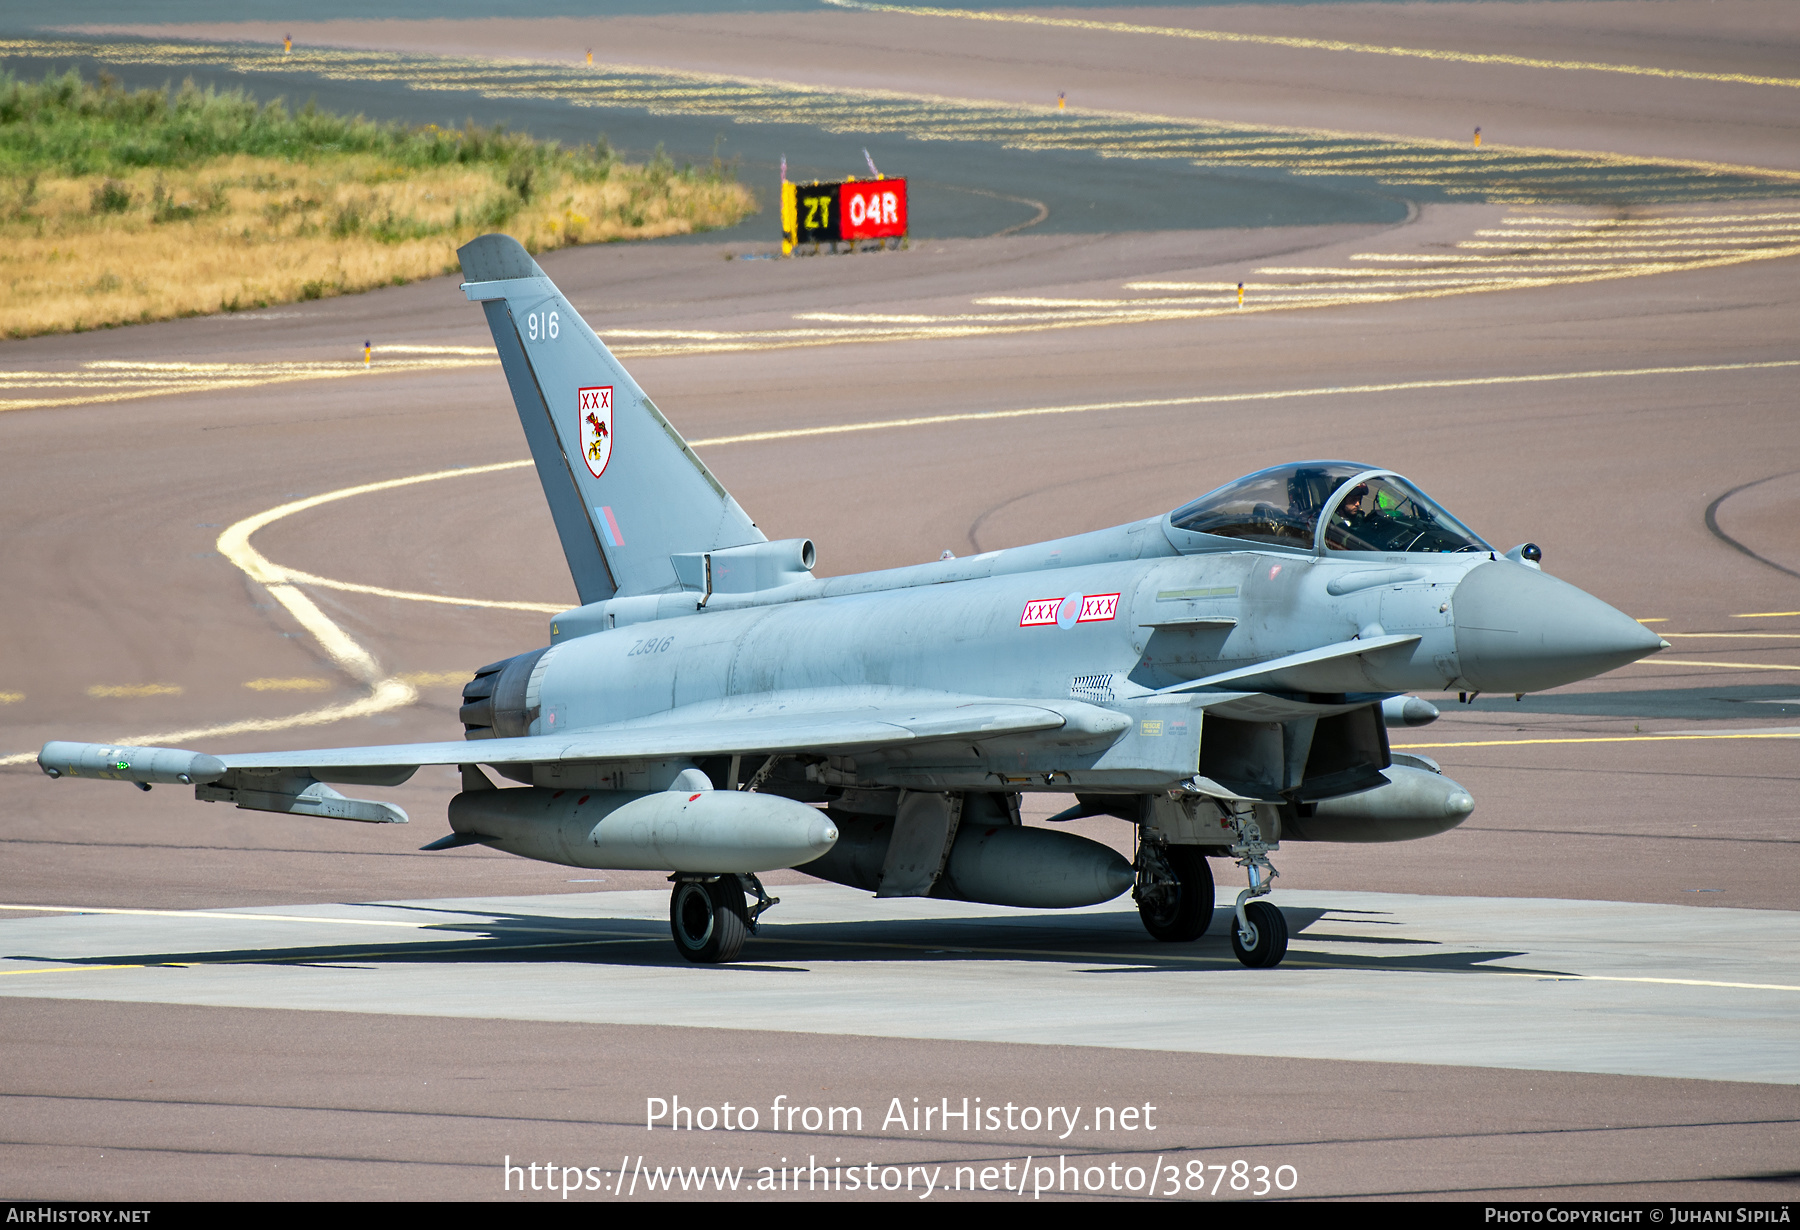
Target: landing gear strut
point(710, 919)
point(1259, 933)
point(1174, 891)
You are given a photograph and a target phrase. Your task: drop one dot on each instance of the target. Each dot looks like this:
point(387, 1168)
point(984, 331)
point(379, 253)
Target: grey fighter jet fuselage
point(1221, 677)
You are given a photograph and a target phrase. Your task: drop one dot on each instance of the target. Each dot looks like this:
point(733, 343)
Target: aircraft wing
point(734, 727)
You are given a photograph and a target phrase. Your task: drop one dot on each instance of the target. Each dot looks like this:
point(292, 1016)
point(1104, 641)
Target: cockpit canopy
point(1328, 505)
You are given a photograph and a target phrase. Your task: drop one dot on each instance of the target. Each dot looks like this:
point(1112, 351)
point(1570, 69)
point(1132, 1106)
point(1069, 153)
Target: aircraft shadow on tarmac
point(1687, 704)
point(1112, 941)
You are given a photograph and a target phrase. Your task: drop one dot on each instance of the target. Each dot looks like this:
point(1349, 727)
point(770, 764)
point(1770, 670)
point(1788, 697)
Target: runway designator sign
point(847, 211)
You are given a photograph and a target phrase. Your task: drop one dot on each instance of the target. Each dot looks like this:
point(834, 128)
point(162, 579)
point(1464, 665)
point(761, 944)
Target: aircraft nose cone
point(1518, 630)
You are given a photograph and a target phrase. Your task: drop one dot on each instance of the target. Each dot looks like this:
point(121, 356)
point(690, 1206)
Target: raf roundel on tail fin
point(625, 490)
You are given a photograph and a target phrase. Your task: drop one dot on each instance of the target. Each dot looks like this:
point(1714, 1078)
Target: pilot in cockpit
point(1350, 512)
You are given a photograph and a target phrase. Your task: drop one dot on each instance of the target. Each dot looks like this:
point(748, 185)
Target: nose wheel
point(1259, 934)
point(1260, 940)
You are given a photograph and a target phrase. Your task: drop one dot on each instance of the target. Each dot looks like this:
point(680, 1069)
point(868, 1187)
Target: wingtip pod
point(114, 762)
point(496, 258)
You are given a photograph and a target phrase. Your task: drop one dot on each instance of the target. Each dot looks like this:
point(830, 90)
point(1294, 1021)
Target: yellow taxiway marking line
point(1317, 44)
point(1752, 636)
point(435, 679)
point(226, 914)
point(1461, 270)
point(793, 433)
point(388, 694)
point(1767, 615)
point(64, 969)
point(1604, 739)
point(307, 578)
point(1673, 220)
point(149, 379)
point(1677, 982)
point(1692, 258)
point(1748, 666)
point(234, 545)
point(435, 950)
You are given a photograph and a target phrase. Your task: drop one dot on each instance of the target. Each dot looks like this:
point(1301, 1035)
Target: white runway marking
point(1580, 986)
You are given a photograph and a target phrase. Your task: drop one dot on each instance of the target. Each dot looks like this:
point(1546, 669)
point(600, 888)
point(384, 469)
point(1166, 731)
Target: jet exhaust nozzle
point(709, 831)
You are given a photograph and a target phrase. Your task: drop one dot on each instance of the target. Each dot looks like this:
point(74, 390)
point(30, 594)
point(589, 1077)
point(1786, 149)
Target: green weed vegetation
point(212, 198)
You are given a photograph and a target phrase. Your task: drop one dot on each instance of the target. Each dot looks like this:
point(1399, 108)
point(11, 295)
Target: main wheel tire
point(1184, 915)
point(1268, 936)
point(709, 920)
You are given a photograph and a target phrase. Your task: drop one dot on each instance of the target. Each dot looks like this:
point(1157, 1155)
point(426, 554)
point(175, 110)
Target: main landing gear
point(1174, 891)
point(709, 917)
point(1174, 894)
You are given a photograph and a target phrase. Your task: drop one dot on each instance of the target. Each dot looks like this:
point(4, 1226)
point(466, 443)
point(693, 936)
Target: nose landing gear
point(1259, 936)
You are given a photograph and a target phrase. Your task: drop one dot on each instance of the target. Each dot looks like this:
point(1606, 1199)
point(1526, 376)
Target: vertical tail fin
point(625, 490)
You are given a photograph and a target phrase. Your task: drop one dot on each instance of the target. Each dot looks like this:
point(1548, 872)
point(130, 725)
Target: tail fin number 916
point(543, 326)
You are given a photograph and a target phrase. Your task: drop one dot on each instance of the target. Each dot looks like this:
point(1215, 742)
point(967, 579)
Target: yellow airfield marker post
point(287, 44)
point(1240, 294)
point(1478, 137)
point(368, 354)
point(790, 215)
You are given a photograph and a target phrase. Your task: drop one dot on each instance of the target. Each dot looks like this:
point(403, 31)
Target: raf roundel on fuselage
point(1327, 506)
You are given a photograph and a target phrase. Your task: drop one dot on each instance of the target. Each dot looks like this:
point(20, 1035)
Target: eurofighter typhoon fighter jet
point(1221, 678)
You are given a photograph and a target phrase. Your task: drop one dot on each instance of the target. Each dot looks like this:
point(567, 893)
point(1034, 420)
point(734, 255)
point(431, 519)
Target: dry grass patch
point(307, 206)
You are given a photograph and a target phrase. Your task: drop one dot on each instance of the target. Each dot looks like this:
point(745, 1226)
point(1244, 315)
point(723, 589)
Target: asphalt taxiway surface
point(1587, 990)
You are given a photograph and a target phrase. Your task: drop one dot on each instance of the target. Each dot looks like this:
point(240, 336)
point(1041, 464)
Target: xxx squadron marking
point(595, 408)
point(1069, 611)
